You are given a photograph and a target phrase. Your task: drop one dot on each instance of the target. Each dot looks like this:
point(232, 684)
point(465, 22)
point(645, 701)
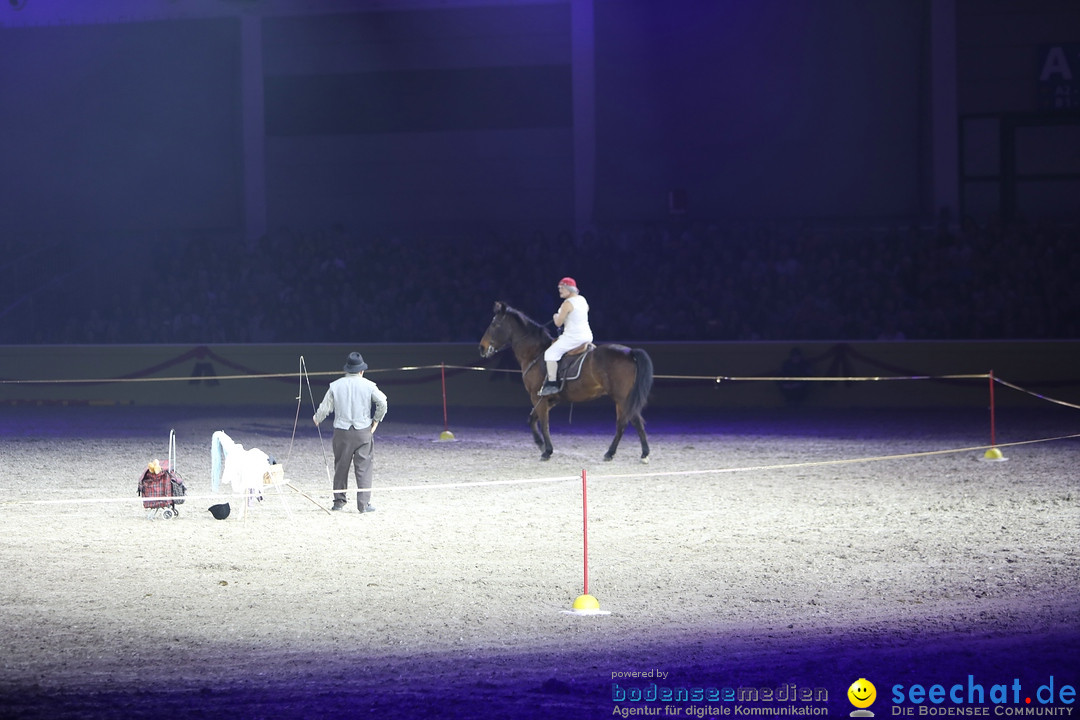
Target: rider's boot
point(550, 387)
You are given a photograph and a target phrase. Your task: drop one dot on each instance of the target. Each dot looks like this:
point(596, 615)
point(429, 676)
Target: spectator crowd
point(677, 281)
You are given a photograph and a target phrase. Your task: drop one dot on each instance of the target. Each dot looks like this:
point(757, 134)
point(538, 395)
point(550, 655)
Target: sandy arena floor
point(756, 550)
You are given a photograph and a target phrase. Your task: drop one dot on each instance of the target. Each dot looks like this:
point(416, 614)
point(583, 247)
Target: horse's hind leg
point(639, 425)
point(620, 426)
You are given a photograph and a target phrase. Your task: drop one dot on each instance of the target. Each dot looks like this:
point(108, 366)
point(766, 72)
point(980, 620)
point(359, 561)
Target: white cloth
point(231, 463)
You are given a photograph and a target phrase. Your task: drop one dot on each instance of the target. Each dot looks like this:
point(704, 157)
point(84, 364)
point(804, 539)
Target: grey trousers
point(355, 448)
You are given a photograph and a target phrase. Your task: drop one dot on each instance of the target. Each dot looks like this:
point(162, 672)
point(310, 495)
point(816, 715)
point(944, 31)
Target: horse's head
point(499, 332)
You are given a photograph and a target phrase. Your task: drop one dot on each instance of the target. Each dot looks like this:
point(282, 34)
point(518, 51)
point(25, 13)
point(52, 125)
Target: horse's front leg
point(534, 426)
point(543, 437)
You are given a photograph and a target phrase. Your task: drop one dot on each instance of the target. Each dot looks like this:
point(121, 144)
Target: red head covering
point(569, 282)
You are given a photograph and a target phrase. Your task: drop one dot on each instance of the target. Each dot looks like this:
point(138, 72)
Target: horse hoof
point(608, 458)
point(645, 460)
point(545, 456)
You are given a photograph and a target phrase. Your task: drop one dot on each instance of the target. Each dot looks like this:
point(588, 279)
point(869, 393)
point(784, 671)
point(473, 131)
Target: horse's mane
point(531, 326)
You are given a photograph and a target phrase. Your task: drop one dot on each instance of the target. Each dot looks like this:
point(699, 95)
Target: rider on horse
point(573, 318)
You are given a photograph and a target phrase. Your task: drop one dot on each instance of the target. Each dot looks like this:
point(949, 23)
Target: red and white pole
point(994, 453)
point(585, 602)
point(585, 527)
point(445, 434)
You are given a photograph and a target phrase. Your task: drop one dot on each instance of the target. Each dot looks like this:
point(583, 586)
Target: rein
point(530, 365)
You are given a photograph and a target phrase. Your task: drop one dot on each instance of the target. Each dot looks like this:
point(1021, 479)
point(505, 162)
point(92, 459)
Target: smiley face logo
point(862, 693)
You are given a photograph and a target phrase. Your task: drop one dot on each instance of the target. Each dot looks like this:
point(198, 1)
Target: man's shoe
point(338, 504)
point(365, 508)
point(550, 388)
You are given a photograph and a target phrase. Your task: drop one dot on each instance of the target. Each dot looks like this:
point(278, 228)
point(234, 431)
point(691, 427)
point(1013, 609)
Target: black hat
point(355, 363)
point(220, 511)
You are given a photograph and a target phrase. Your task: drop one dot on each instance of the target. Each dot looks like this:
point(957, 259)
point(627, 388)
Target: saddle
point(570, 363)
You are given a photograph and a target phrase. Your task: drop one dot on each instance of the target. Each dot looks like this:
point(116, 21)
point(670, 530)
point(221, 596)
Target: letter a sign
point(1059, 77)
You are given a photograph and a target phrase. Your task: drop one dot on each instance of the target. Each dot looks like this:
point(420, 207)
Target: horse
point(624, 374)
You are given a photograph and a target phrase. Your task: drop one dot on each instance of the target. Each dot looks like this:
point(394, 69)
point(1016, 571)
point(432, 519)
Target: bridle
point(496, 322)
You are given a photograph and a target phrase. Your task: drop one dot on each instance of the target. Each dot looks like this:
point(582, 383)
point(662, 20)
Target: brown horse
point(624, 374)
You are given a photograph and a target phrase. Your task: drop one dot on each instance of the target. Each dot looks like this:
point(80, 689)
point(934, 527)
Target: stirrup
point(550, 387)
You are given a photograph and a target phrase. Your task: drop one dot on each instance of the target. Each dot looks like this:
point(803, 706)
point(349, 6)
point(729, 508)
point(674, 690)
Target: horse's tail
point(639, 394)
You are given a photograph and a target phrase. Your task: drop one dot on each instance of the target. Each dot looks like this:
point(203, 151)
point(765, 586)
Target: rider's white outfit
point(576, 330)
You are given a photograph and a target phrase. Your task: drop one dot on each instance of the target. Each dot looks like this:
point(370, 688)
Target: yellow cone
point(993, 454)
point(446, 435)
point(586, 602)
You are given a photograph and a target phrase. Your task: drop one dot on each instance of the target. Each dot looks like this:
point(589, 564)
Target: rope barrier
point(1035, 394)
point(188, 378)
point(410, 368)
point(850, 378)
point(571, 478)
point(305, 375)
point(442, 367)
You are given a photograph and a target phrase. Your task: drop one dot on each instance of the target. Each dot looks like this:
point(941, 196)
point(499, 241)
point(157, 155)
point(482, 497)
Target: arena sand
point(785, 550)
